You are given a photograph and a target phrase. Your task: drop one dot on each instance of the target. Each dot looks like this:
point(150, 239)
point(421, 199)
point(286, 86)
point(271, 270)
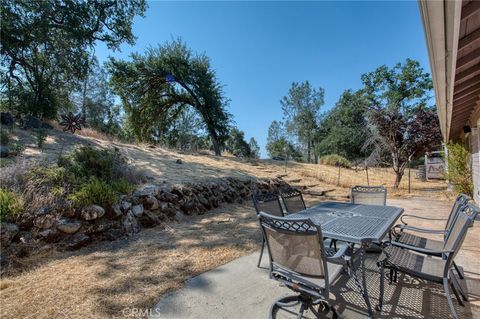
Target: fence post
point(409, 162)
point(338, 179)
point(366, 170)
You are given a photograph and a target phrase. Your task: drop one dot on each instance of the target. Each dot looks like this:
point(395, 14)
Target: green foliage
point(335, 160)
point(155, 89)
point(343, 131)
point(4, 137)
point(17, 147)
point(100, 192)
point(404, 126)
point(51, 176)
point(459, 172)
point(278, 145)
point(40, 137)
point(236, 143)
point(301, 110)
point(11, 205)
point(46, 46)
point(85, 162)
point(254, 148)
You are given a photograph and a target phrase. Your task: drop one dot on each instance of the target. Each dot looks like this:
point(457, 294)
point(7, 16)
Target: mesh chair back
point(461, 200)
point(458, 232)
point(369, 195)
point(293, 201)
point(295, 245)
point(268, 203)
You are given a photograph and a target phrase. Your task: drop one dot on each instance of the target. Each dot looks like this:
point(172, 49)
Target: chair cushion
point(427, 267)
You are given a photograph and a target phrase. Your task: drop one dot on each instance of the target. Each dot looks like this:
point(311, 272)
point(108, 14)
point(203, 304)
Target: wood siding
point(475, 141)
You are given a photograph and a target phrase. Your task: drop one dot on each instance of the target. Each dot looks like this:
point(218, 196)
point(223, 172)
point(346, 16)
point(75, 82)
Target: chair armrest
point(419, 217)
point(420, 230)
point(341, 255)
point(417, 249)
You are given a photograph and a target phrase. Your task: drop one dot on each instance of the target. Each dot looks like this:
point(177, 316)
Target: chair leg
point(455, 292)
point(261, 252)
point(459, 271)
point(382, 285)
point(457, 283)
point(300, 312)
point(449, 298)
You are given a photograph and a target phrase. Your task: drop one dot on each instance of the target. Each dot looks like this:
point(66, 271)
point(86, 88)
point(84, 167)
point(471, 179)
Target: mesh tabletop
point(352, 222)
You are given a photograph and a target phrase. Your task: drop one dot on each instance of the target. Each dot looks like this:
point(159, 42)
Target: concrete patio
point(241, 290)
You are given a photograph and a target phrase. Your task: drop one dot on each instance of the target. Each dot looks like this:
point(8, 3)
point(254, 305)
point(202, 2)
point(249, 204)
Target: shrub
point(48, 176)
point(41, 137)
point(17, 147)
point(99, 192)
point(459, 172)
point(85, 162)
point(4, 137)
point(335, 160)
point(11, 205)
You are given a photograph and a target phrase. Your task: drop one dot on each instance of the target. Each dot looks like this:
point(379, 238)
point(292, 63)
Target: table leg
point(363, 285)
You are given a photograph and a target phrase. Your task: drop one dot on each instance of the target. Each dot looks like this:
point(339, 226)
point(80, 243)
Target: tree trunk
point(216, 145)
point(398, 179)
point(308, 152)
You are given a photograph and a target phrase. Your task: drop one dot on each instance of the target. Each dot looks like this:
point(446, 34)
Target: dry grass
point(99, 282)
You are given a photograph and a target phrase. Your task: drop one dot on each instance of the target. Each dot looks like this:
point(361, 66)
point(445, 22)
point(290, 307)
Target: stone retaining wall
point(70, 228)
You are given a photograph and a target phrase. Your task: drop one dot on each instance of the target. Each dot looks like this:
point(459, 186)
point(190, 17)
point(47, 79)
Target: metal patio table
point(356, 224)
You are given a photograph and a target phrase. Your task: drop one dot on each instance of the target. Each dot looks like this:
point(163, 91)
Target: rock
point(125, 206)
point(67, 209)
point(68, 226)
point(147, 190)
point(130, 224)
point(117, 211)
point(6, 118)
point(77, 241)
point(4, 151)
point(92, 212)
point(168, 197)
point(204, 201)
point(151, 203)
point(100, 227)
point(179, 161)
point(137, 210)
point(47, 126)
point(44, 221)
point(25, 222)
point(179, 216)
point(30, 121)
point(112, 234)
point(149, 219)
point(50, 235)
point(8, 231)
point(41, 211)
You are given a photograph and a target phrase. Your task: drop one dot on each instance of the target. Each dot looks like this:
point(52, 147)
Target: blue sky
point(259, 48)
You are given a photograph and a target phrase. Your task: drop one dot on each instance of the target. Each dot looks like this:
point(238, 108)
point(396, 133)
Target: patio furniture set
point(300, 257)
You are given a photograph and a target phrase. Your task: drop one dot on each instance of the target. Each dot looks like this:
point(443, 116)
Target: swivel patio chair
point(416, 261)
point(300, 261)
point(293, 200)
point(404, 233)
point(369, 195)
point(270, 204)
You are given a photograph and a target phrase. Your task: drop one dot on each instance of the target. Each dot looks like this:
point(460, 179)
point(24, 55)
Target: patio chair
point(293, 200)
point(407, 259)
point(300, 261)
point(369, 195)
point(270, 204)
point(427, 245)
